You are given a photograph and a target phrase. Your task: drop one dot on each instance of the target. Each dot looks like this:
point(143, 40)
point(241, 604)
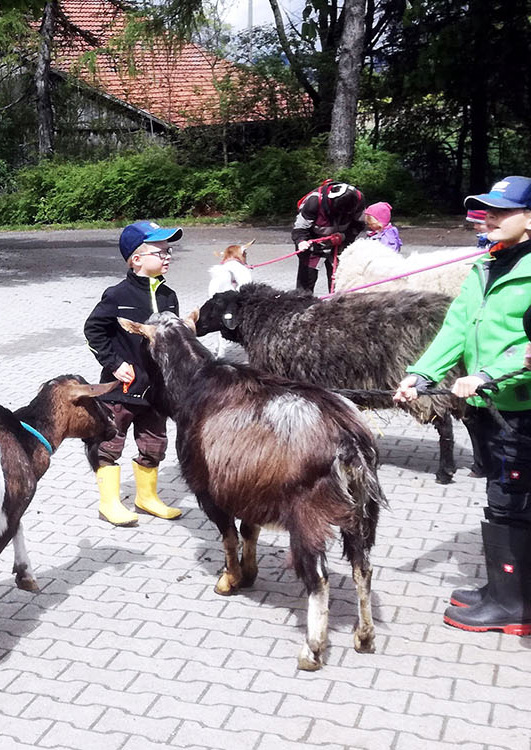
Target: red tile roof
point(174, 83)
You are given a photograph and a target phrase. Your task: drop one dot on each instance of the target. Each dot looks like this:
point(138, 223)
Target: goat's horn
point(191, 319)
point(249, 244)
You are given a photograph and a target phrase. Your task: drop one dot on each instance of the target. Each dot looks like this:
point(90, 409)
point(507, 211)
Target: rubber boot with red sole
point(468, 597)
point(507, 604)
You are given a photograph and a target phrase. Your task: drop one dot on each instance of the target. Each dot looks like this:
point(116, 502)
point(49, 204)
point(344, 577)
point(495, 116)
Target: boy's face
point(508, 225)
point(152, 259)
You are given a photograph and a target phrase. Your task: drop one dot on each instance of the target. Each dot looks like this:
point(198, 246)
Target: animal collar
point(39, 437)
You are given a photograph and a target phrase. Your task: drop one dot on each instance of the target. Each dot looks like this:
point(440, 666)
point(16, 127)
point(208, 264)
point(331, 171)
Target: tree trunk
point(459, 159)
point(343, 130)
point(42, 80)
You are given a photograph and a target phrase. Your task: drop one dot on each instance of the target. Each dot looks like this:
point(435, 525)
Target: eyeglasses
point(162, 254)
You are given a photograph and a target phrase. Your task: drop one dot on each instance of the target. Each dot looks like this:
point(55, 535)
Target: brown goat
point(267, 450)
point(64, 407)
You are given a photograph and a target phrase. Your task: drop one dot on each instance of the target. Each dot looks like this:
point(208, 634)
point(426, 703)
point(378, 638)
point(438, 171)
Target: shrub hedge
point(153, 183)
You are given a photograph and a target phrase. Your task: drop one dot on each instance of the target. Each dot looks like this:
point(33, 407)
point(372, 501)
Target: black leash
point(427, 390)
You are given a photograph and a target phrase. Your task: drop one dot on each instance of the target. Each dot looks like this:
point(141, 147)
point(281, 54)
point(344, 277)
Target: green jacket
point(486, 330)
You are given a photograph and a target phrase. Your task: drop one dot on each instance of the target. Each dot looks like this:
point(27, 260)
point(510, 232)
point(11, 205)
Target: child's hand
point(125, 373)
point(465, 387)
point(406, 391)
point(303, 245)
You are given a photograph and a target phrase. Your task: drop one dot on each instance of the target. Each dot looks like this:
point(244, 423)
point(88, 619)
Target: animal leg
point(250, 534)
point(364, 633)
point(222, 347)
point(22, 569)
point(311, 654)
point(446, 469)
point(469, 420)
point(230, 580)
point(311, 567)
point(231, 577)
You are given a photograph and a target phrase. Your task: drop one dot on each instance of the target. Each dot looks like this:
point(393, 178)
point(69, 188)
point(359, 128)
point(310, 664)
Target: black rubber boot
point(468, 597)
point(507, 603)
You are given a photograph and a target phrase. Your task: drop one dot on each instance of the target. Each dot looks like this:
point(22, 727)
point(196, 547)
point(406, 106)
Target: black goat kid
point(270, 451)
point(353, 341)
point(64, 407)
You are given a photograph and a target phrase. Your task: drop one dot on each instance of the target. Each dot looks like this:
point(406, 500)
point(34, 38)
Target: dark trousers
point(506, 458)
point(149, 432)
point(307, 276)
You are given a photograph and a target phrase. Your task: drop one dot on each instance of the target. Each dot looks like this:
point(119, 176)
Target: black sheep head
point(220, 313)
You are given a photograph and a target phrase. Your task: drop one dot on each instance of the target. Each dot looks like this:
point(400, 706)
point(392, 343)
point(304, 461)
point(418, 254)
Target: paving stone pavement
point(127, 647)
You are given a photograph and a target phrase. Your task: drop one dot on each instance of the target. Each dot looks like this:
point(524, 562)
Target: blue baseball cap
point(145, 231)
point(511, 192)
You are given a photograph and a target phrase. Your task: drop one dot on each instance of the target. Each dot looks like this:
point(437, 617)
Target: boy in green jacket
point(484, 327)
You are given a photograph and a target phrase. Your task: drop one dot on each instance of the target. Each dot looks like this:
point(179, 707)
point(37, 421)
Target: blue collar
point(38, 435)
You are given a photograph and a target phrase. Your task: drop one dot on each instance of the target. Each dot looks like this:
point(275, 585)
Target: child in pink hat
point(378, 220)
point(476, 217)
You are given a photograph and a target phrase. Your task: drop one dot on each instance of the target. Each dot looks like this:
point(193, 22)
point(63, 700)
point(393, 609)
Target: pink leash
point(332, 237)
point(402, 275)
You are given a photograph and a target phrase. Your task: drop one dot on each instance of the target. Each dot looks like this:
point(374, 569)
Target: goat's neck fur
point(179, 356)
point(264, 303)
point(36, 451)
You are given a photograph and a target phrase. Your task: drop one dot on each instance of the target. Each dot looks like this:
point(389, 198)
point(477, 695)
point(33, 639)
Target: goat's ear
point(191, 319)
point(81, 390)
point(142, 329)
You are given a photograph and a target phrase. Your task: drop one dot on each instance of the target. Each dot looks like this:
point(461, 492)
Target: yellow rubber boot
point(111, 508)
point(146, 493)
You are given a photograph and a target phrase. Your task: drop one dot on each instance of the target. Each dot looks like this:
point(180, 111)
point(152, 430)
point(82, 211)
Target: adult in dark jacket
point(146, 249)
point(332, 208)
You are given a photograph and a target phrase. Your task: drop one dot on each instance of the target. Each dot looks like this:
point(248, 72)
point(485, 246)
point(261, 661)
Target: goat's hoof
point(308, 660)
point(248, 580)
point(364, 644)
point(225, 587)
point(27, 584)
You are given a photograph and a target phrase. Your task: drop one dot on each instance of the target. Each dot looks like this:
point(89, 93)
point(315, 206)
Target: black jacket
point(313, 221)
point(111, 345)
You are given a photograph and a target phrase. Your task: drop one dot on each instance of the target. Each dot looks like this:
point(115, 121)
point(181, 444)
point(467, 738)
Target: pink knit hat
point(381, 212)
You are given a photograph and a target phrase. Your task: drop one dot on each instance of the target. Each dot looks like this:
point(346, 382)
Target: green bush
point(7, 178)
point(275, 179)
point(153, 183)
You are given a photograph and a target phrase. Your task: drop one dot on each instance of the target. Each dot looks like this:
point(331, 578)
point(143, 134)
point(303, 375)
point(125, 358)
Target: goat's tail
point(356, 467)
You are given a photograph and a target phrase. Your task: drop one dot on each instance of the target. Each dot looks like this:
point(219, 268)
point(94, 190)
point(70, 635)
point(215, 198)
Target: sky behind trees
point(236, 11)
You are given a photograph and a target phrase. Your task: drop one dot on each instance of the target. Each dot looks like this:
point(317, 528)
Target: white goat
point(369, 260)
point(231, 273)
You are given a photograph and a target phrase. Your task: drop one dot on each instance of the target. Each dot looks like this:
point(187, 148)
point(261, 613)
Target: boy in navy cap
point(484, 327)
point(145, 247)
